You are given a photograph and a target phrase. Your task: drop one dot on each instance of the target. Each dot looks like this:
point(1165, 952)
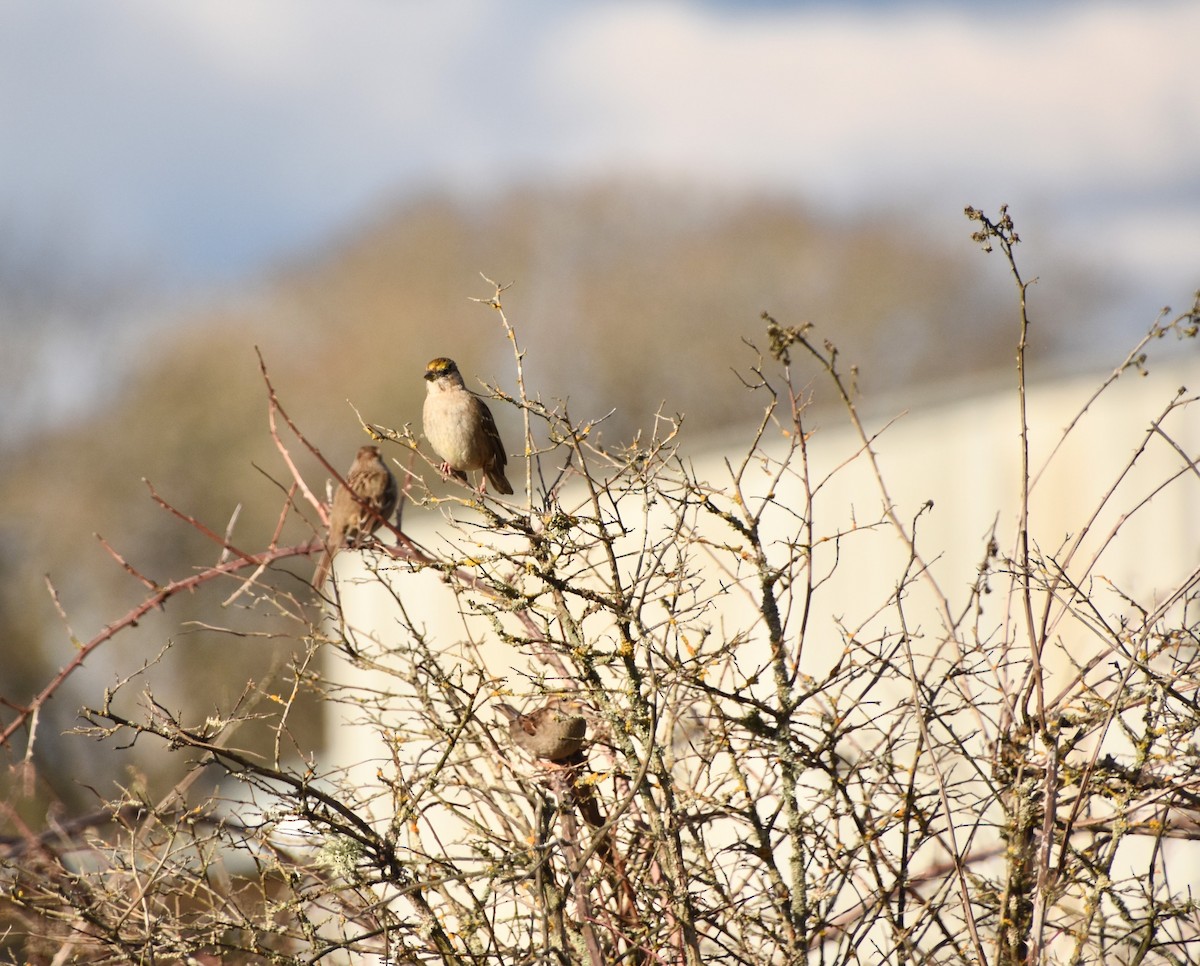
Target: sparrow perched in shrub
point(460, 427)
point(360, 506)
point(553, 732)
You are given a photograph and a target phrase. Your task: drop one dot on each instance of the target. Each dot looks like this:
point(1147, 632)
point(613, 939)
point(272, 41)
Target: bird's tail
point(498, 481)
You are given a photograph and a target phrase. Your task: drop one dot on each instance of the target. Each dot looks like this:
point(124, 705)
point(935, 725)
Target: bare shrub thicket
point(789, 761)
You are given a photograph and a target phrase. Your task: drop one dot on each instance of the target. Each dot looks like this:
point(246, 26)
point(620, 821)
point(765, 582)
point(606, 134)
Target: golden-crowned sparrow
point(554, 732)
point(360, 506)
point(460, 427)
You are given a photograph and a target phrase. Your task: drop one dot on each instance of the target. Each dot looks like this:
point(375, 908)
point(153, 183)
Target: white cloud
point(221, 132)
point(856, 100)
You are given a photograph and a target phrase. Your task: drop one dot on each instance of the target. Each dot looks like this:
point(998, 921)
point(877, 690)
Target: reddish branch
point(157, 599)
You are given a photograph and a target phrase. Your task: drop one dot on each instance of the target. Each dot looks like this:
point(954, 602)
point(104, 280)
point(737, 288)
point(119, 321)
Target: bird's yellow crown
point(439, 367)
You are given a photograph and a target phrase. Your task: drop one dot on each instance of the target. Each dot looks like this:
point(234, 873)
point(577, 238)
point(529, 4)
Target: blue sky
point(206, 140)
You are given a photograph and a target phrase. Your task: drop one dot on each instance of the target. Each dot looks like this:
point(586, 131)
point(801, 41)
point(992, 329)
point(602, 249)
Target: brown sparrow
point(460, 427)
point(554, 732)
point(360, 506)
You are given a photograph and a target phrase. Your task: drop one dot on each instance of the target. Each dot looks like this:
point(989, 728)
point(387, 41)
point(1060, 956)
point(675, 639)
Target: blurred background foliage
point(627, 296)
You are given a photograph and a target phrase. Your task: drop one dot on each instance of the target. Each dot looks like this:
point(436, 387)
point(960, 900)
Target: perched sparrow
point(460, 427)
point(371, 482)
point(554, 732)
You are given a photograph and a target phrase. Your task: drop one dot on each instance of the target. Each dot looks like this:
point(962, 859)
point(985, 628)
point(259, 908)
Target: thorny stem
point(1003, 234)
